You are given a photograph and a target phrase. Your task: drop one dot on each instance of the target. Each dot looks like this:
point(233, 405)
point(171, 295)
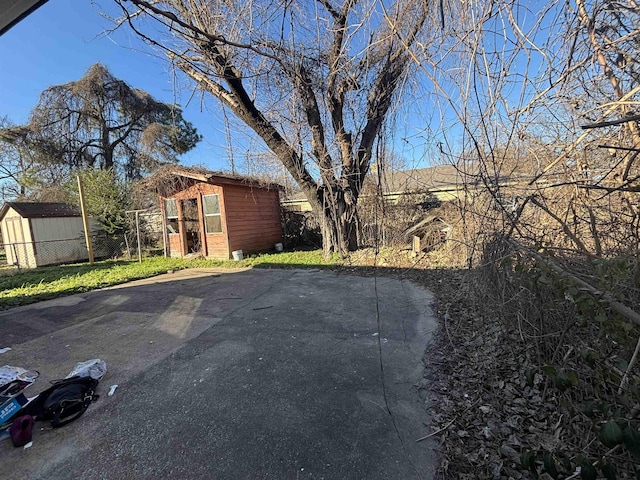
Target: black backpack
point(63, 402)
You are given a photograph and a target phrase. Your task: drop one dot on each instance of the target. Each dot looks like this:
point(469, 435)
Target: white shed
point(37, 234)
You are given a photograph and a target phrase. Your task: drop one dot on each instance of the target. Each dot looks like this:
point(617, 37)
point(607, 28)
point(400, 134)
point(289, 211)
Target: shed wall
point(59, 240)
point(34, 242)
point(253, 218)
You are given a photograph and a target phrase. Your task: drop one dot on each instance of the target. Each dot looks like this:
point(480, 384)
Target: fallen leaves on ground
point(492, 406)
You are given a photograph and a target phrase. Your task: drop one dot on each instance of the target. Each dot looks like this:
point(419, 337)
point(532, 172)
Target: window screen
point(212, 217)
point(171, 214)
point(171, 208)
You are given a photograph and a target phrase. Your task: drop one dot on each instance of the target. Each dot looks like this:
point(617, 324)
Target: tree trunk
point(350, 227)
point(330, 234)
point(107, 147)
point(338, 222)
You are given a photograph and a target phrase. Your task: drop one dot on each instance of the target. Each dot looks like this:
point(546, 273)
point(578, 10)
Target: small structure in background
point(214, 214)
point(37, 234)
point(429, 232)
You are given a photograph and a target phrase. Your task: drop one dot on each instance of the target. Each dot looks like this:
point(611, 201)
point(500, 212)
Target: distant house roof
point(41, 209)
point(418, 180)
point(424, 179)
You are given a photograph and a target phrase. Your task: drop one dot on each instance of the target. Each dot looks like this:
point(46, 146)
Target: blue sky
point(61, 40)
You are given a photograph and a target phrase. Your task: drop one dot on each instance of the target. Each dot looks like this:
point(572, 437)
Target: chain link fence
point(301, 229)
point(69, 250)
point(144, 236)
point(382, 220)
point(383, 234)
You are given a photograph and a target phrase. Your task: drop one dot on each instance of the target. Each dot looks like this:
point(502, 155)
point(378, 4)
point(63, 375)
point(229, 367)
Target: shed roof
point(438, 178)
point(41, 209)
point(169, 180)
point(221, 177)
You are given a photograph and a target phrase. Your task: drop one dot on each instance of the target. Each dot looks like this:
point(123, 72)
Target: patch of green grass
point(31, 286)
point(297, 259)
point(44, 283)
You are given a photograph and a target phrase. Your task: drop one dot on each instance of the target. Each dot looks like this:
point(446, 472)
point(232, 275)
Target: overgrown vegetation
point(575, 358)
point(541, 360)
point(106, 198)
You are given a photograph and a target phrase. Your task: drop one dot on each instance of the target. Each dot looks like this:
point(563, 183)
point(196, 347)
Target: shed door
point(16, 249)
point(192, 239)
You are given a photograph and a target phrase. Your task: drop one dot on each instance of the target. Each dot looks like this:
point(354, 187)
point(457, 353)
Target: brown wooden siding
point(250, 219)
point(174, 248)
point(253, 218)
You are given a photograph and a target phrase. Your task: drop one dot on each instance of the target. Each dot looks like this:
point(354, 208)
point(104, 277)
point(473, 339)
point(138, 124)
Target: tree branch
point(214, 38)
point(565, 227)
point(335, 93)
point(312, 111)
point(239, 102)
point(631, 118)
point(626, 312)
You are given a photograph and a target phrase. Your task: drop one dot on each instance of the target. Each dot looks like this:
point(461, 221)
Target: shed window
point(171, 214)
point(212, 217)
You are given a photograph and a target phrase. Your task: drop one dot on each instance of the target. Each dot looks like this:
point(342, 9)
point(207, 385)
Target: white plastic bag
point(95, 368)
point(9, 374)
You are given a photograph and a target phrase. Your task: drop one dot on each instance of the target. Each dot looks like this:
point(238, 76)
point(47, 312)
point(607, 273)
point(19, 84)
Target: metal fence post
point(85, 220)
point(138, 235)
point(15, 255)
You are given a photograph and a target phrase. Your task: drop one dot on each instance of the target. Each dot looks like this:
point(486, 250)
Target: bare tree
point(314, 80)
point(515, 85)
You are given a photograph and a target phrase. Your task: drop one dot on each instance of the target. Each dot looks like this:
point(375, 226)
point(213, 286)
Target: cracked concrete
point(247, 374)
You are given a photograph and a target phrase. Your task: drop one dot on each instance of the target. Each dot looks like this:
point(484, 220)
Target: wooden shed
point(37, 234)
point(214, 214)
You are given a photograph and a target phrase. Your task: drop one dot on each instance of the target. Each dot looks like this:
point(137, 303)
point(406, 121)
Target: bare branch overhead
point(314, 80)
